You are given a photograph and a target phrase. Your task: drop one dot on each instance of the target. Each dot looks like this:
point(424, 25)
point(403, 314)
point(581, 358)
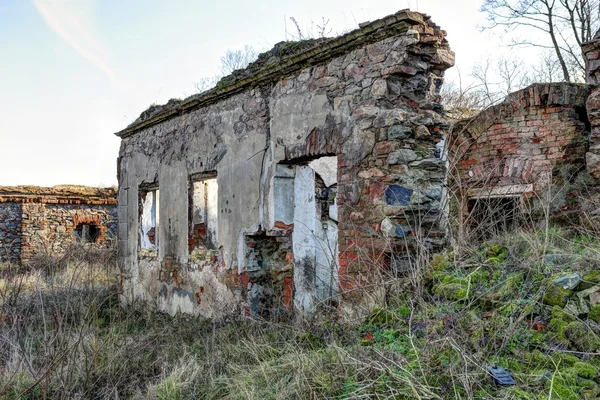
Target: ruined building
point(512, 151)
point(294, 183)
point(49, 220)
point(541, 135)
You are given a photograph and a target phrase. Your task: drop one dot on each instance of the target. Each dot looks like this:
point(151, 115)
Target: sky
point(74, 72)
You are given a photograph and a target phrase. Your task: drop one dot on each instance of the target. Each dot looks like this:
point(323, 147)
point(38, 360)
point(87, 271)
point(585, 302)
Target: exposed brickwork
point(522, 140)
point(34, 220)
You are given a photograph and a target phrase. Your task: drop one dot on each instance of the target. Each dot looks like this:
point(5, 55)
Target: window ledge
point(148, 254)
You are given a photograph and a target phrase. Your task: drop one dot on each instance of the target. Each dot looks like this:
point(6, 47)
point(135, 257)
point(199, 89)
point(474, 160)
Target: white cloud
point(69, 24)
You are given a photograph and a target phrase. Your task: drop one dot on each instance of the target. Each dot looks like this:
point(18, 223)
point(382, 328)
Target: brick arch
point(521, 139)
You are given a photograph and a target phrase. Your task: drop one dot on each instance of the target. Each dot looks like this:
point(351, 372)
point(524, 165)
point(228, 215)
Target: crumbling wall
point(10, 232)
point(325, 161)
point(533, 136)
point(591, 52)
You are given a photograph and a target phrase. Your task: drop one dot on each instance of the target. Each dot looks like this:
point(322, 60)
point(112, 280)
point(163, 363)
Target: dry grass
point(63, 334)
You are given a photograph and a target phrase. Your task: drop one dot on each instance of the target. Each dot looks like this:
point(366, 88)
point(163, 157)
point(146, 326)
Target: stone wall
point(48, 221)
point(525, 142)
point(48, 228)
point(591, 51)
point(327, 163)
point(10, 231)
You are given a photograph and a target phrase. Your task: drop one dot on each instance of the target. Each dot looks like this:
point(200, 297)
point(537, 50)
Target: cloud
point(69, 25)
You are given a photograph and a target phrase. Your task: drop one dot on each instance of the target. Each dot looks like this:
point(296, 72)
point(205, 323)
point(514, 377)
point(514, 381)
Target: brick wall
point(524, 140)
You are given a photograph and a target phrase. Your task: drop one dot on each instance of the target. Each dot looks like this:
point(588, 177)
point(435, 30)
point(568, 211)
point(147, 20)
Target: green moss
point(479, 277)
point(557, 296)
point(512, 284)
point(379, 317)
point(564, 392)
point(496, 253)
point(404, 310)
point(579, 336)
point(594, 314)
point(585, 370)
point(519, 393)
point(509, 308)
point(451, 291)
point(424, 151)
point(439, 262)
point(592, 277)
point(568, 359)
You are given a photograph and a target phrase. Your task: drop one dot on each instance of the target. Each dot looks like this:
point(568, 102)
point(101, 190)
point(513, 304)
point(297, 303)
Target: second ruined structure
point(48, 220)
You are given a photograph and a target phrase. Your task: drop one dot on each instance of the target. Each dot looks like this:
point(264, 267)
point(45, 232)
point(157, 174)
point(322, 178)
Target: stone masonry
point(295, 183)
point(37, 220)
point(591, 51)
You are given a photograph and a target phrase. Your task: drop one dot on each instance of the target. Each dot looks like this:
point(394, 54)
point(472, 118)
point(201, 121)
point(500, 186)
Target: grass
point(63, 334)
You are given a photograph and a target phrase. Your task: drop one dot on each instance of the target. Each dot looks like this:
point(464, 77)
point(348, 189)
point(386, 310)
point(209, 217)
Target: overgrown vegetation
point(63, 334)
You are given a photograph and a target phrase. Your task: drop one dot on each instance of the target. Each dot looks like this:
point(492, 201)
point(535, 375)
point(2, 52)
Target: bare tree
point(512, 74)
point(495, 79)
point(582, 19)
point(237, 59)
point(565, 25)
point(230, 61)
point(547, 70)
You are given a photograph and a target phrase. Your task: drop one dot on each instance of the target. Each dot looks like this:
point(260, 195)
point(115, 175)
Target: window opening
point(86, 233)
point(149, 206)
point(203, 214)
point(491, 216)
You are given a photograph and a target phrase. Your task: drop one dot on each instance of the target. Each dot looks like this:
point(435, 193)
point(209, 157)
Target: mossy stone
point(580, 337)
point(594, 314)
point(557, 296)
point(439, 262)
point(589, 280)
point(593, 277)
